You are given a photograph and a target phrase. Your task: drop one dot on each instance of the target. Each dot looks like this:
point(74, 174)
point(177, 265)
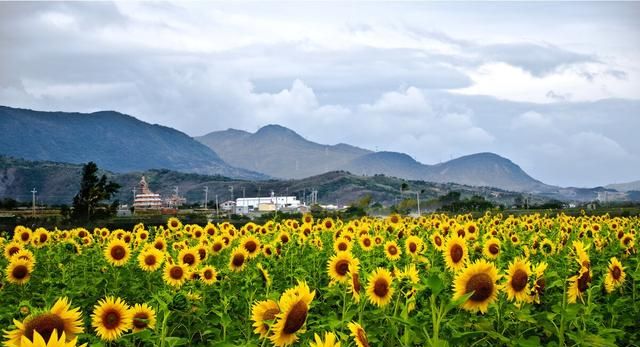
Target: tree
point(93, 190)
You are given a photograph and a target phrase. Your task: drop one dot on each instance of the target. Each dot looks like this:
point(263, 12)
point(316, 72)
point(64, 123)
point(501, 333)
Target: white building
point(228, 205)
point(147, 200)
point(267, 204)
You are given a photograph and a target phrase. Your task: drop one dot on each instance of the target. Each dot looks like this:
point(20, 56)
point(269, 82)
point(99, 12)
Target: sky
point(555, 87)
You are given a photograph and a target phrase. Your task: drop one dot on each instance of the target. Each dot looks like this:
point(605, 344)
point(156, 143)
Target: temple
point(146, 200)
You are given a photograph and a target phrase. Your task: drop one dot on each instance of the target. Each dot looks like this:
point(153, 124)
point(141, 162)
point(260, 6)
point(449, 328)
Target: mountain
point(112, 140)
point(625, 187)
point(279, 152)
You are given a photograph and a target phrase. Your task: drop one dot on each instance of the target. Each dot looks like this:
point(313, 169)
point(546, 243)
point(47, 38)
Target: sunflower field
point(436, 280)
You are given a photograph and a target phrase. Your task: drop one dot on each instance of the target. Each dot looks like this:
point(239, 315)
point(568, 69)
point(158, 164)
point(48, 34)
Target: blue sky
point(553, 86)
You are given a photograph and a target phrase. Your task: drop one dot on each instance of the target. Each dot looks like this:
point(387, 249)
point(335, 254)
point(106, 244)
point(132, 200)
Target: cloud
point(433, 80)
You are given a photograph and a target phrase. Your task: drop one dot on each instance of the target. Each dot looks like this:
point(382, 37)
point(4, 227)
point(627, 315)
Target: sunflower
point(23, 235)
point(217, 245)
point(366, 243)
point(59, 320)
point(111, 318)
point(615, 275)
point(355, 287)
point(284, 237)
point(547, 247)
point(24, 254)
point(294, 305)
point(539, 283)
point(342, 245)
point(329, 340)
point(379, 289)
point(251, 245)
point(456, 253)
point(392, 251)
point(438, 241)
point(160, 244)
point(413, 244)
point(189, 257)
point(150, 259)
point(143, 317)
point(410, 272)
point(491, 248)
point(359, 335)
point(262, 313)
point(340, 264)
point(175, 274)
point(19, 271)
point(328, 223)
point(480, 279)
point(174, 224)
point(264, 274)
point(54, 341)
point(578, 284)
point(117, 252)
point(12, 248)
point(517, 286)
point(238, 259)
point(208, 275)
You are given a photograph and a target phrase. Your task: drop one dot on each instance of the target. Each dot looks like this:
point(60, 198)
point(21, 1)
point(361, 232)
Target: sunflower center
point(342, 266)
point(250, 246)
point(481, 286)
point(366, 242)
point(118, 252)
point(159, 246)
point(456, 253)
point(413, 247)
point(519, 280)
point(392, 250)
point(328, 225)
point(189, 259)
point(150, 260)
point(494, 249)
point(284, 238)
point(24, 237)
point(208, 274)
point(270, 314)
point(438, 241)
point(111, 319)
point(355, 279)
point(140, 320)
point(202, 253)
point(44, 324)
point(296, 317)
point(176, 273)
point(547, 248)
point(342, 246)
point(238, 260)
point(20, 272)
point(13, 250)
point(381, 287)
point(540, 284)
point(472, 229)
point(362, 338)
point(616, 273)
point(583, 282)
point(43, 237)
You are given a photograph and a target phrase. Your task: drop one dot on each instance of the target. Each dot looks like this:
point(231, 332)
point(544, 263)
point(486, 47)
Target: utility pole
point(217, 213)
point(243, 193)
point(231, 190)
point(418, 200)
point(33, 201)
point(206, 196)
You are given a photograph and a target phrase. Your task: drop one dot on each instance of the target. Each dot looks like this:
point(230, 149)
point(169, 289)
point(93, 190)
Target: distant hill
point(625, 187)
point(281, 152)
point(57, 183)
point(114, 141)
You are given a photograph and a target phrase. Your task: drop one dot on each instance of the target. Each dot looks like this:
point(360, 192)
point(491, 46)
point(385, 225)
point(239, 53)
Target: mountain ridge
point(251, 151)
point(113, 140)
